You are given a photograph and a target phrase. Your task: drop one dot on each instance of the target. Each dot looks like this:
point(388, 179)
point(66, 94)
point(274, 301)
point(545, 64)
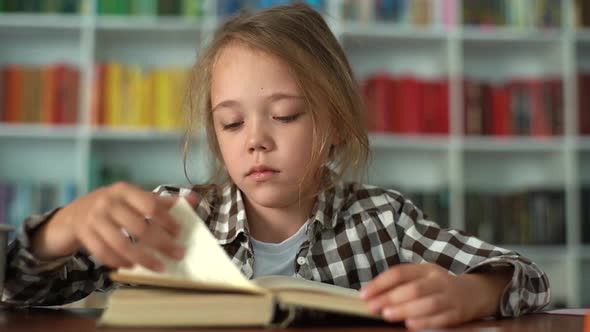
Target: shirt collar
point(231, 219)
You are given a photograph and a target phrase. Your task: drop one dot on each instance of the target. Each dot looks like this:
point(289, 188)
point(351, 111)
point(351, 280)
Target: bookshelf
point(453, 163)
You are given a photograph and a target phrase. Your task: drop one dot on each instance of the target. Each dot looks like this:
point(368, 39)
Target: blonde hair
point(299, 36)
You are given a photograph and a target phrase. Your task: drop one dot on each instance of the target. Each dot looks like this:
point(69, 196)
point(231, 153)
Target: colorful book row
point(40, 6)
point(406, 104)
point(186, 8)
point(532, 106)
point(414, 12)
point(513, 13)
point(18, 200)
point(132, 96)
point(47, 95)
point(518, 218)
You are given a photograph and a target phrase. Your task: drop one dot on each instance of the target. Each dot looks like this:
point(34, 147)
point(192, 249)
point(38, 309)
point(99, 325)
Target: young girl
point(285, 120)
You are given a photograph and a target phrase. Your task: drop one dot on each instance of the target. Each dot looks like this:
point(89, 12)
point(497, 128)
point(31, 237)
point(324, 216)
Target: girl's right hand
point(96, 222)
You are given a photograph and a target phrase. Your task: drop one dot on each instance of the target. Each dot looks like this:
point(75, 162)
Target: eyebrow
point(271, 98)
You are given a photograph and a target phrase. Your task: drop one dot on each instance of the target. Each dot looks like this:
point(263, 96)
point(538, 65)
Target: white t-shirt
point(277, 258)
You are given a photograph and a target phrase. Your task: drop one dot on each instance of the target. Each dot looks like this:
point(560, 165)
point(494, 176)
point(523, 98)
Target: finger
point(422, 307)
point(99, 249)
point(393, 277)
point(150, 234)
point(127, 217)
point(406, 292)
point(443, 319)
point(111, 234)
point(148, 205)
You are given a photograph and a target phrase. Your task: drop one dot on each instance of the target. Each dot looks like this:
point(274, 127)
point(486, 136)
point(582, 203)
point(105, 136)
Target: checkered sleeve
point(421, 240)
point(30, 281)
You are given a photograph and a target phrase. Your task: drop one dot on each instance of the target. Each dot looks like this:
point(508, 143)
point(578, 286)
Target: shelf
point(418, 142)
point(38, 131)
point(151, 23)
point(513, 144)
point(511, 35)
point(135, 134)
point(390, 31)
point(41, 21)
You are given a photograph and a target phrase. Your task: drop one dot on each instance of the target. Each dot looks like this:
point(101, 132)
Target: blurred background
point(479, 109)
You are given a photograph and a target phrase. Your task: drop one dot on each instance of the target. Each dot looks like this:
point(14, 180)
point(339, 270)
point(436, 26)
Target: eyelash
point(285, 119)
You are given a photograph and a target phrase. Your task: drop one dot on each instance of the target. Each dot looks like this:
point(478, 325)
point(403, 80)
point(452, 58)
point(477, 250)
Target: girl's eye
point(233, 125)
point(289, 118)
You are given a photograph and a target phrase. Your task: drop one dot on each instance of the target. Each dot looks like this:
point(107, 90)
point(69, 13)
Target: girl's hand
point(96, 221)
point(427, 296)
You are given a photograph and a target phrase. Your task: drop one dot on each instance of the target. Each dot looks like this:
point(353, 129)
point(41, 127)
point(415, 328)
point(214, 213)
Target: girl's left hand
point(425, 296)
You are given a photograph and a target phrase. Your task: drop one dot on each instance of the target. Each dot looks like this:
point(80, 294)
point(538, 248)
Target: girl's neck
point(274, 225)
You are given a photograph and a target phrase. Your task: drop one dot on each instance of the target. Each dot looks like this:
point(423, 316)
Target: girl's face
point(262, 125)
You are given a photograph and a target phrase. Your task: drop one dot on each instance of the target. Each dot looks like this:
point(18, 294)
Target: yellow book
point(136, 103)
point(146, 91)
point(113, 100)
point(163, 99)
point(206, 289)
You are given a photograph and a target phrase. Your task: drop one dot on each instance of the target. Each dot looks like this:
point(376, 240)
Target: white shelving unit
point(453, 162)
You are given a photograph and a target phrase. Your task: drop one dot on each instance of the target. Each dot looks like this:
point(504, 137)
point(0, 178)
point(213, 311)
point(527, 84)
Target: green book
point(193, 8)
point(113, 7)
point(144, 7)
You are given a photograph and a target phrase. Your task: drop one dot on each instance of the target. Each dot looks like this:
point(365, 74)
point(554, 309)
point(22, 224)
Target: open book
point(206, 289)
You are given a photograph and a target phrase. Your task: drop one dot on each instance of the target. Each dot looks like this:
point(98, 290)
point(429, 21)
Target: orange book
point(35, 102)
point(72, 84)
point(2, 93)
point(48, 95)
point(60, 94)
point(98, 95)
point(13, 94)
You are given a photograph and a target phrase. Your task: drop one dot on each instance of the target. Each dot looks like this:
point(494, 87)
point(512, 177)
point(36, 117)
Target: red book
point(13, 94)
point(408, 111)
point(500, 109)
point(430, 107)
point(435, 107)
point(472, 107)
point(539, 121)
point(554, 102)
point(443, 123)
point(486, 108)
point(584, 103)
point(378, 91)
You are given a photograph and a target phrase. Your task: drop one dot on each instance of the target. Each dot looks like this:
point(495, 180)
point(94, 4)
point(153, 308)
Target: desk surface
point(81, 320)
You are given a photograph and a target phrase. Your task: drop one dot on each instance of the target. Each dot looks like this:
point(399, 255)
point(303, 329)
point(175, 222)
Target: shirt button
point(301, 260)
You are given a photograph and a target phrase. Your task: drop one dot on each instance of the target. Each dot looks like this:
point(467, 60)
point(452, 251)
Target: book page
point(280, 283)
point(205, 265)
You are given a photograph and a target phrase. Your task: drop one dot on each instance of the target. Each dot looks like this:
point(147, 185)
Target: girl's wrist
point(486, 289)
point(54, 239)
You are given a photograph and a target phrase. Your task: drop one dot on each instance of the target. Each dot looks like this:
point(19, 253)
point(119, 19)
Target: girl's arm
point(451, 277)
point(57, 257)
point(32, 281)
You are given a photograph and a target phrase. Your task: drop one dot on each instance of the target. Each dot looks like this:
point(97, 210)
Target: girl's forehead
point(240, 69)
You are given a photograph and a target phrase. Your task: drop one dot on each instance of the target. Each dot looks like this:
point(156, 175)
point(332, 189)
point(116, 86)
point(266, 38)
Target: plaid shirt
point(355, 232)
